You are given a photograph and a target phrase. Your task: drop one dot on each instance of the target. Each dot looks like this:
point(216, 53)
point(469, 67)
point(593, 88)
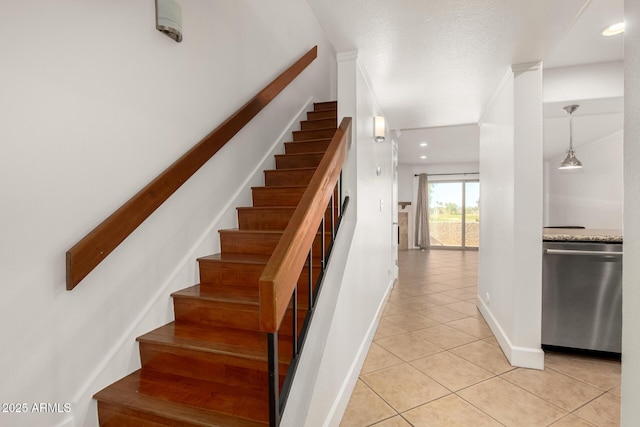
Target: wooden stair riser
point(281, 196)
point(288, 177)
point(211, 366)
point(296, 161)
point(277, 196)
point(171, 400)
point(114, 415)
point(229, 274)
point(322, 114)
point(323, 106)
point(259, 242)
point(215, 274)
point(319, 124)
point(304, 135)
point(206, 313)
point(264, 218)
point(313, 146)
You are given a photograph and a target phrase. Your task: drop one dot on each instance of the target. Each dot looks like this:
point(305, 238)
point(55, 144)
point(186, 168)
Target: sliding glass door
point(454, 216)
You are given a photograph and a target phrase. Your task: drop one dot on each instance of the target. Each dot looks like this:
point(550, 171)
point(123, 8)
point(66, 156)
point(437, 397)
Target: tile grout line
point(403, 296)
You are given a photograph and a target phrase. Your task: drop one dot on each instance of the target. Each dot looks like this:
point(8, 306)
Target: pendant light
point(570, 162)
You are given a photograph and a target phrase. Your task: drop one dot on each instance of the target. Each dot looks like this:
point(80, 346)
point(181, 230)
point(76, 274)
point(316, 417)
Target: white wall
point(510, 260)
point(592, 196)
point(584, 82)
point(405, 183)
point(631, 267)
point(95, 103)
point(367, 273)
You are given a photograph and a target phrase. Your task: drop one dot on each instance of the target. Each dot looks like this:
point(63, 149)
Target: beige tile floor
point(435, 362)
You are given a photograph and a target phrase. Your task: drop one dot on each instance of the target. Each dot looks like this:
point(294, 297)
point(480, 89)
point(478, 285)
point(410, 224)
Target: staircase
point(209, 366)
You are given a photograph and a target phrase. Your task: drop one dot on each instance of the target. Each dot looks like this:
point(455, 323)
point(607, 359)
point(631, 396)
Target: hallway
point(435, 362)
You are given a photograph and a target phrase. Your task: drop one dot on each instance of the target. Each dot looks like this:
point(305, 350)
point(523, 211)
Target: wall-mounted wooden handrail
point(281, 273)
point(85, 255)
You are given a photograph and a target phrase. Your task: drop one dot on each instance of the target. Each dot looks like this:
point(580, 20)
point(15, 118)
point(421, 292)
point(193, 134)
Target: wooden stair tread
point(266, 208)
point(290, 169)
point(258, 231)
point(224, 341)
point(229, 294)
point(235, 230)
point(281, 187)
point(309, 141)
point(313, 153)
point(236, 258)
point(187, 401)
point(333, 128)
point(275, 208)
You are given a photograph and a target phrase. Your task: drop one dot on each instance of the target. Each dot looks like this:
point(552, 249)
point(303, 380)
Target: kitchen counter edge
point(581, 235)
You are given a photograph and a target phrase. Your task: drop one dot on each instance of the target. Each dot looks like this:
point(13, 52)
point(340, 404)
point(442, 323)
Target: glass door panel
point(445, 213)
point(472, 214)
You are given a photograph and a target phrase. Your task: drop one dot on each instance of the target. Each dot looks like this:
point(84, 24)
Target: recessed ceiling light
point(423, 157)
point(423, 144)
point(614, 29)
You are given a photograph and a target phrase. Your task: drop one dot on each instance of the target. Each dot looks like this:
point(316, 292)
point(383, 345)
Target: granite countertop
point(581, 235)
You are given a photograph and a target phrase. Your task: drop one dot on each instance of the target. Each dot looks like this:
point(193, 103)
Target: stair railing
point(92, 249)
point(278, 283)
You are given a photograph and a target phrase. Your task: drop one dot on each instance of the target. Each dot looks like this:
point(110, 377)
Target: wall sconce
point(378, 128)
point(169, 19)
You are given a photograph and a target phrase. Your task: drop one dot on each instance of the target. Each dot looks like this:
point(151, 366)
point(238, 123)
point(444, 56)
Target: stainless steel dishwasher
point(582, 295)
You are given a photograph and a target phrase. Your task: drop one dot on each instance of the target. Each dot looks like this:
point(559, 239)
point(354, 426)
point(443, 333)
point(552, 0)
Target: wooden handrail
point(85, 255)
point(281, 273)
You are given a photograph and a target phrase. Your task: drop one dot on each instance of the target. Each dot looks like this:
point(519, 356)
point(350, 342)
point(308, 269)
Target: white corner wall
point(95, 103)
point(510, 256)
point(630, 410)
point(366, 274)
point(592, 196)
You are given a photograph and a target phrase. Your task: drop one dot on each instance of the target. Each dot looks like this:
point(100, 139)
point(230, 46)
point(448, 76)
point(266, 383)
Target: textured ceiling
point(435, 63)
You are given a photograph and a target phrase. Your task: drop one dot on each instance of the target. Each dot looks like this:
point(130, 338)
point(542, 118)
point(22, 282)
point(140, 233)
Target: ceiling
point(433, 64)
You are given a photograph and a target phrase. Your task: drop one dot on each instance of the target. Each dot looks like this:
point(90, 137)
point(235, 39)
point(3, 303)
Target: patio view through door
point(454, 214)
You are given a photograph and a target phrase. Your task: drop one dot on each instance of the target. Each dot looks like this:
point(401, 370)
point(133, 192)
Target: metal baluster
point(333, 207)
point(340, 194)
point(323, 259)
point(274, 392)
point(310, 266)
point(295, 322)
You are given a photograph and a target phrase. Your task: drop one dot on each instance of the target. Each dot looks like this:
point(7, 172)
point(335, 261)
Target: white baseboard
point(522, 357)
point(344, 395)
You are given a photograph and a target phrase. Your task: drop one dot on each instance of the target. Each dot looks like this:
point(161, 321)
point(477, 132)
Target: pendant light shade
point(570, 162)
